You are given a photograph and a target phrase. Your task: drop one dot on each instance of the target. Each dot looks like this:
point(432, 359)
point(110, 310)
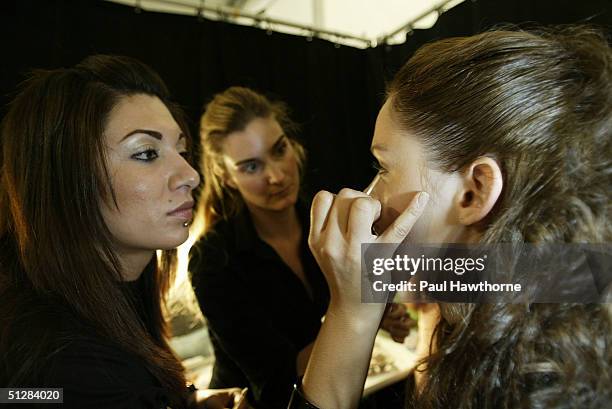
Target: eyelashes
point(149, 155)
point(378, 167)
point(250, 168)
point(255, 166)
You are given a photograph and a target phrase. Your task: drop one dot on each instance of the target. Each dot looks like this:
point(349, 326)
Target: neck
point(274, 224)
point(134, 263)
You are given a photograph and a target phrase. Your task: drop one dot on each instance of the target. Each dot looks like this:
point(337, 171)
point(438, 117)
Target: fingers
point(399, 329)
point(330, 214)
point(406, 323)
point(399, 338)
point(217, 400)
point(401, 324)
point(319, 211)
point(354, 212)
point(397, 321)
point(240, 401)
point(395, 311)
point(363, 213)
point(399, 229)
point(341, 207)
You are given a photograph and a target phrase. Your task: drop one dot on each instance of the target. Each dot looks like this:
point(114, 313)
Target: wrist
point(298, 400)
point(358, 318)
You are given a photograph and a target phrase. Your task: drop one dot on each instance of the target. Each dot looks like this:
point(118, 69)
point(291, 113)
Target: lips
point(282, 192)
point(184, 211)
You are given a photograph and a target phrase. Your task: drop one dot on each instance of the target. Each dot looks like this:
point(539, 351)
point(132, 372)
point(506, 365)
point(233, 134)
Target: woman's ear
point(483, 183)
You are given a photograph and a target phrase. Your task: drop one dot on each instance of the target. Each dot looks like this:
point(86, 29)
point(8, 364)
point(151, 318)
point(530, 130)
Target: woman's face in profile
point(262, 165)
point(151, 179)
point(404, 171)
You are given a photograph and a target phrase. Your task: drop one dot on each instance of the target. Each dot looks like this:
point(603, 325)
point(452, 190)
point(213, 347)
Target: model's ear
point(482, 186)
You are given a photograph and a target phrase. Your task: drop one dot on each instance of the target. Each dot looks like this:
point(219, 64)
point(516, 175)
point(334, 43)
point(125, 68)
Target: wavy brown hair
point(231, 111)
point(56, 251)
point(540, 103)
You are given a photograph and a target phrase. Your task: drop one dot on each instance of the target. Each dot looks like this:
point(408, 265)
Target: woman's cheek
point(393, 207)
point(256, 185)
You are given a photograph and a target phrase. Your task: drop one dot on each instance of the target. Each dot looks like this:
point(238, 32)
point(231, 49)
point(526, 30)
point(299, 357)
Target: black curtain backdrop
point(334, 92)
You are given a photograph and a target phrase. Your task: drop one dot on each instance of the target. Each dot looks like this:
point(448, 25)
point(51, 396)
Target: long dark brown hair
point(540, 104)
point(55, 248)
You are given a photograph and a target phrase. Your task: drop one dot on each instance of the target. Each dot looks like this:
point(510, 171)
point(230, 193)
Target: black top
point(258, 311)
point(93, 372)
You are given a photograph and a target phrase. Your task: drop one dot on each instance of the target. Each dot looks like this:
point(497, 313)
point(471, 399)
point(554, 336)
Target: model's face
point(405, 171)
point(262, 165)
point(151, 179)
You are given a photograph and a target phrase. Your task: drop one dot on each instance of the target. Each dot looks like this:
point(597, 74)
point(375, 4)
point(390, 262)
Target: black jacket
point(258, 311)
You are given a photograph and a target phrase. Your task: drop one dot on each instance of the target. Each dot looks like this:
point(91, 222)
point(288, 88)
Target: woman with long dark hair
point(502, 137)
point(94, 179)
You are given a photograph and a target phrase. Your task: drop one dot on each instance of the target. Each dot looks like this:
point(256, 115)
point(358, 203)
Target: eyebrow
point(154, 134)
point(274, 146)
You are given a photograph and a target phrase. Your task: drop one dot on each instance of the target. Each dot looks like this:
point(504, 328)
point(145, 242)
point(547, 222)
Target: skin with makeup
point(83, 299)
point(151, 179)
point(153, 184)
point(401, 206)
point(464, 122)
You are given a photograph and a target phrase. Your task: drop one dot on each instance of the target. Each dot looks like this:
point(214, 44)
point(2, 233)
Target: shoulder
point(96, 373)
point(52, 347)
point(213, 249)
point(221, 236)
point(75, 351)
point(97, 360)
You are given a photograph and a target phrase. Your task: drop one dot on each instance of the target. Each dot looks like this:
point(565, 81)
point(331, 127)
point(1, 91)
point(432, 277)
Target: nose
point(275, 173)
point(184, 176)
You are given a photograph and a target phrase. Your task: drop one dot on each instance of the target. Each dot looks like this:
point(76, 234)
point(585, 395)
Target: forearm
point(302, 359)
point(339, 362)
point(429, 316)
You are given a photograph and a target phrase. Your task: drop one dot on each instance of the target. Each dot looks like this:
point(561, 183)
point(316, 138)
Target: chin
point(175, 240)
point(284, 204)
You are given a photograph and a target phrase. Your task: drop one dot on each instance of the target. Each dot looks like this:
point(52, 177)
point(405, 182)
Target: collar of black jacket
point(247, 239)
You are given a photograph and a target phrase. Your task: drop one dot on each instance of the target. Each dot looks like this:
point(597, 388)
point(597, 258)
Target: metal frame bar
point(227, 13)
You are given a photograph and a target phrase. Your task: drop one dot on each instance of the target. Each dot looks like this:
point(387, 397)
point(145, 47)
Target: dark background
point(334, 92)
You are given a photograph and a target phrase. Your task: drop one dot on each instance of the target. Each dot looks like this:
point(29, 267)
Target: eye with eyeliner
point(146, 155)
point(150, 153)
